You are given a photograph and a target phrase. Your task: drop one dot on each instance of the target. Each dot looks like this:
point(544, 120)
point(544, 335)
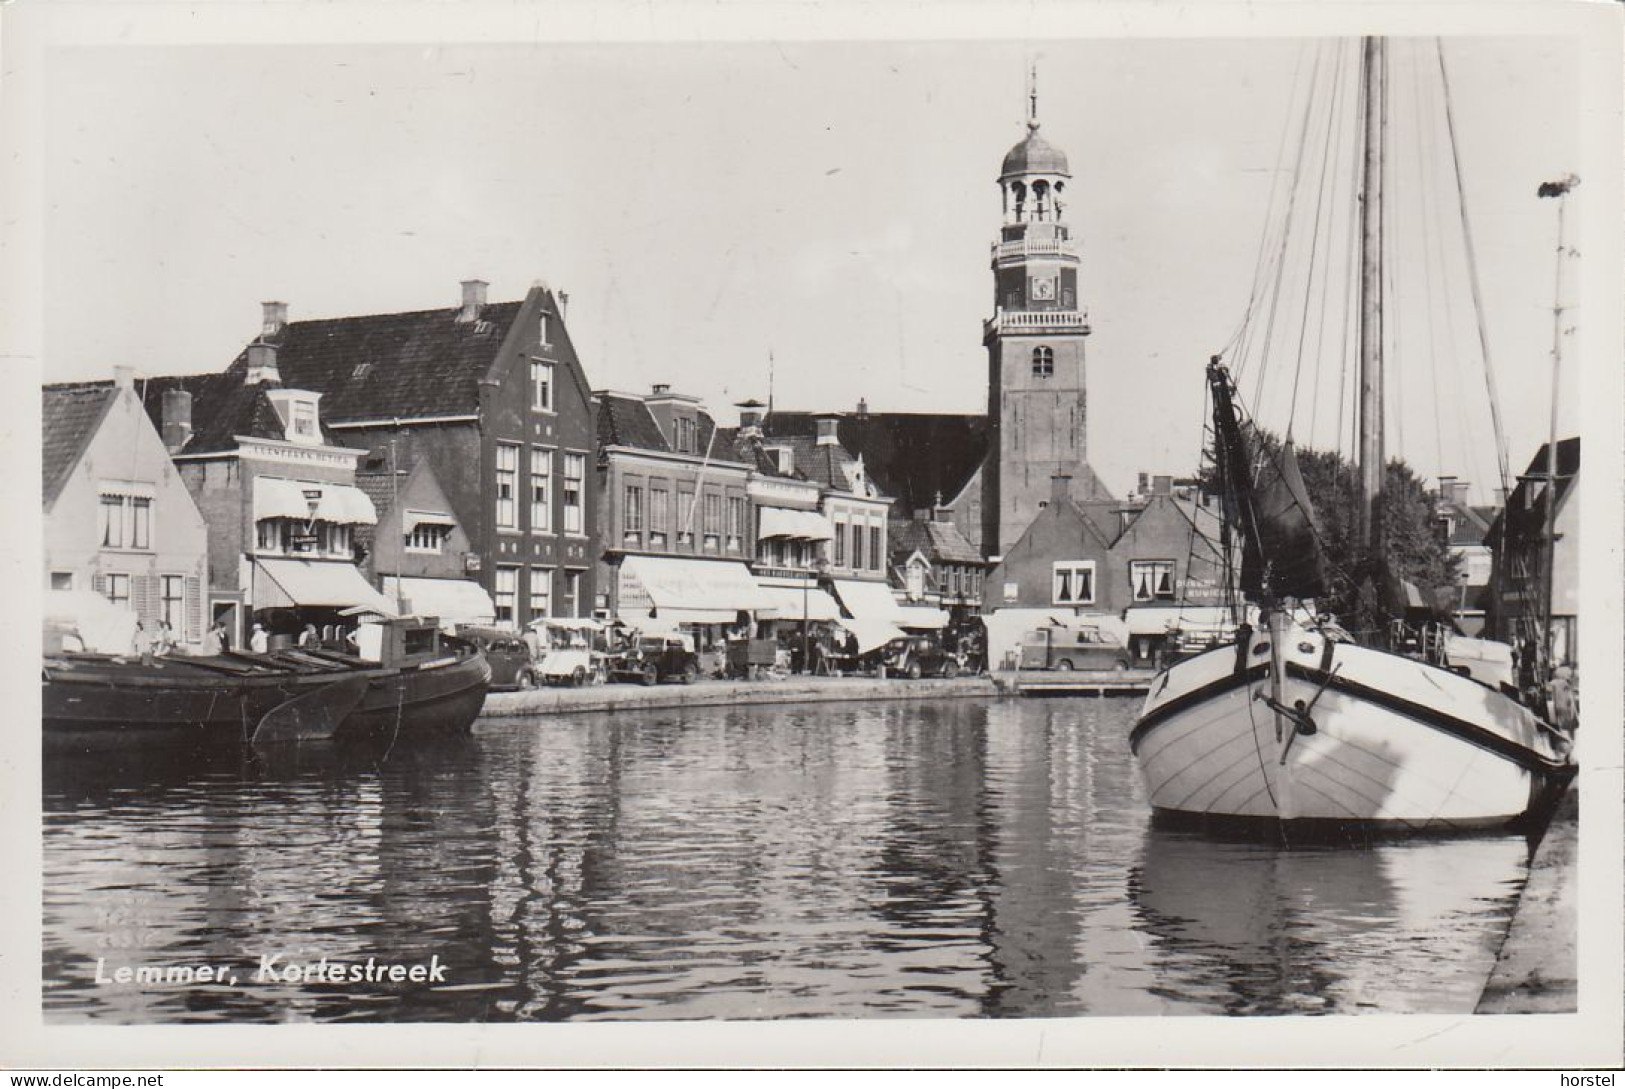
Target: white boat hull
point(1395, 742)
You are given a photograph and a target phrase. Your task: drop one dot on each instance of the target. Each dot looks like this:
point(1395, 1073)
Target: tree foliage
point(1412, 549)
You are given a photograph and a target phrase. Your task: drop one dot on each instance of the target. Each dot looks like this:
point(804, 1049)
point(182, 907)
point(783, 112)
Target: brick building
point(1155, 564)
point(492, 397)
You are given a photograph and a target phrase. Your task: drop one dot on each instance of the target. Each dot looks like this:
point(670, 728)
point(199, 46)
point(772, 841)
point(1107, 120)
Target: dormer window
point(304, 419)
point(686, 436)
point(541, 330)
point(784, 458)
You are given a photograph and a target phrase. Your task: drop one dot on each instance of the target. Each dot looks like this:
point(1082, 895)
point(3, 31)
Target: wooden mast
point(1371, 455)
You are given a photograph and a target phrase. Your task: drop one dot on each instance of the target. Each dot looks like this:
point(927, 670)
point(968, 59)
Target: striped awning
point(275, 497)
point(801, 525)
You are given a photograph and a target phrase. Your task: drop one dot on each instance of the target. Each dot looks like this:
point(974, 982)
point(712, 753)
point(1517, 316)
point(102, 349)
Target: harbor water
point(955, 858)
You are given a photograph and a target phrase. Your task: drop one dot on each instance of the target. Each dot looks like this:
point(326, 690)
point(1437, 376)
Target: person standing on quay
point(259, 642)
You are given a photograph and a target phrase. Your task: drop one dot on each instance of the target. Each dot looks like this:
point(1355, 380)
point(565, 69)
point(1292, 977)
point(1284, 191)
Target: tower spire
point(1032, 96)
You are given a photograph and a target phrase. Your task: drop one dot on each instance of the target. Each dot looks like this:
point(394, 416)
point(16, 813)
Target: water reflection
point(955, 859)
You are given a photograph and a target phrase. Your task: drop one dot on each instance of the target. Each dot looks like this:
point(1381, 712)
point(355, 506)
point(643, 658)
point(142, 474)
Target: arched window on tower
point(1020, 192)
point(1043, 362)
point(1040, 200)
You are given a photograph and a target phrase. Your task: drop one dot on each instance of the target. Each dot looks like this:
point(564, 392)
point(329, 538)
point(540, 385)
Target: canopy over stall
point(283, 583)
point(796, 599)
point(685, 591)
point(875, 613)
point(454, 601)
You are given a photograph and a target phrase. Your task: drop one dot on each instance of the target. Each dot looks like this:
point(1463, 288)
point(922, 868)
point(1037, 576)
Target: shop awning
point(804, 525)
point(454, 601)
point(869, 600)
point(919, 616)
point(275, 497)
point(416, 518)
point(285, 583)
point(871, 633)
point(685, 591)
point(788, 599)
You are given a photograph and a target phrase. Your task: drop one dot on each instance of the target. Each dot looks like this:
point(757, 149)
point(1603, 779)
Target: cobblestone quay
point(615, 697)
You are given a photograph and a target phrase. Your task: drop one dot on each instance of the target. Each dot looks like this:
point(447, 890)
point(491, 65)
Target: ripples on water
point(958, 859)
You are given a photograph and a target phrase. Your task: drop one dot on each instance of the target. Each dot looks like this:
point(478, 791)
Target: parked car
point(1086, 647)
point(915, 656)
point(656, 658)
point(510, 659)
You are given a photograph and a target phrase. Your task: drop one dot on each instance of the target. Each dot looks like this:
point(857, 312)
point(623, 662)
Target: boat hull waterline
point(1382, 741)
point(95, 703)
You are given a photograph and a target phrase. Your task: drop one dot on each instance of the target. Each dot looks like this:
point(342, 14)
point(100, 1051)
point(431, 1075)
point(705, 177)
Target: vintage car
point(1085, 647)
point(567, 656)
point(510, 659)
point(915, 656)
point(655, 658)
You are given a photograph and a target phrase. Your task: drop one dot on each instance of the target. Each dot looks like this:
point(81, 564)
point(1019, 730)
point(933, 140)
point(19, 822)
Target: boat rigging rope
point(1286, 233)
point(1472, 278)
point(1332, 101)
point(1263, 237)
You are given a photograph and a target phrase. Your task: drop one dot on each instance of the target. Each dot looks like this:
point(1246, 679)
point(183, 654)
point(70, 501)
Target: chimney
point(124, 378)
point(660, 389)
point(827, 430)
point(274, 318)
point(1145, 484)
point(942, 514)
point(262, 365)
point(564, 303)
point(923, 514)
point(1060, 489)
point(1460, 488)
point(1162, 485)
point(177, 419)
point(473, 300)
point(863, 408)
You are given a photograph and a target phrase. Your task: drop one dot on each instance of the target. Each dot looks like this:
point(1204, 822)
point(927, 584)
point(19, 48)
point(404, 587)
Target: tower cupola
point(1035, 173)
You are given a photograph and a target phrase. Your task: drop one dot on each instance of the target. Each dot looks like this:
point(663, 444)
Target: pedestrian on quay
point(309, 637)
point(166, 639)
point(258, 641)
point(141, 643)
point(215, 641)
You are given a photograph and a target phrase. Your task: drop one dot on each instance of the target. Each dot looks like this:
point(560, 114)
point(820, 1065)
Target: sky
point(827, 206)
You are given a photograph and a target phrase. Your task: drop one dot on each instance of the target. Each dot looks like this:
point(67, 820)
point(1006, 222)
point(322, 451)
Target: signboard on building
point(1012, 591)
point(631, 596)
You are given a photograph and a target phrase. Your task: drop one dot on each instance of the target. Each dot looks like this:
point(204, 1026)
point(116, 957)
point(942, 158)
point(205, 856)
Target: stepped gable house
point(490, 395)
point(119, 521)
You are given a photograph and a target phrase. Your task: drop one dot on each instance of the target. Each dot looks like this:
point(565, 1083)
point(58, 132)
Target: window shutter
point(144, 592)
point(98, 582)
point(194, 608)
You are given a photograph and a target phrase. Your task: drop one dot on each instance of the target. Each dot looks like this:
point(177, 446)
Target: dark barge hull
point(92, 702)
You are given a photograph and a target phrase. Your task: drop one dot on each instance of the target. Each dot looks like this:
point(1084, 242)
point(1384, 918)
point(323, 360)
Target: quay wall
point(617, 697)
point(1536, 969)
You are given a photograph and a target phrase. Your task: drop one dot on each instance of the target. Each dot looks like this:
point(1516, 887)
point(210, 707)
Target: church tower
point(1036, 401)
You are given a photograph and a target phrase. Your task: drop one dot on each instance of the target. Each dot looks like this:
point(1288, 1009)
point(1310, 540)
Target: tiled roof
point(823, 465)
point(381, 488)
point(388, 366)
point(71, 414)
point(911, 456)
point(222, 408)
point(939, 542)
point(624, 420)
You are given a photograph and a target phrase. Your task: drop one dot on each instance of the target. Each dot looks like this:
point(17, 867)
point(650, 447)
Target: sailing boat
point(1295, 725)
